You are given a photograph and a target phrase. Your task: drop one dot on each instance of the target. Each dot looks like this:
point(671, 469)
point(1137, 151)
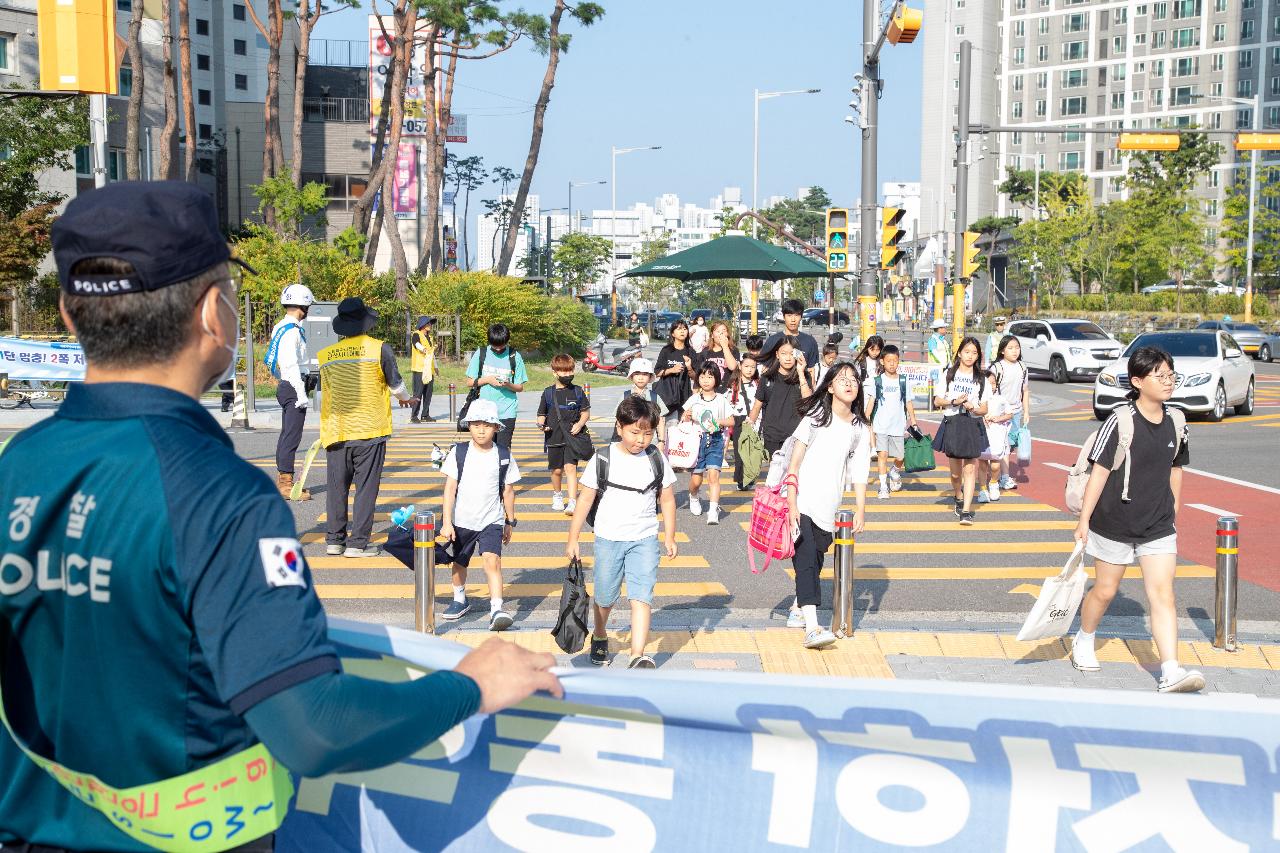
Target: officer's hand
point(507, 674)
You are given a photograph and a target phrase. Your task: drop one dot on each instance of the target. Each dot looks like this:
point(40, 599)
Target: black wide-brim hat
point(354, 317)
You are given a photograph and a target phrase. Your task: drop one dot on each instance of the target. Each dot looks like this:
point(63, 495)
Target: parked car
point(663, 321)
point(1212, 374)
point(1064, 349)
point(1188, 286)
point(1254, 340)
point(822, 317)
point(705, 313)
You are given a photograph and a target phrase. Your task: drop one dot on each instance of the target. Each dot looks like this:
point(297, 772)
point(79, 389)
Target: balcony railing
point(343, 53)
point(346, 110)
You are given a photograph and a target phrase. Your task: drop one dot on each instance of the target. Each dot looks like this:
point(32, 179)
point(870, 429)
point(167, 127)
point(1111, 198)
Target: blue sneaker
point(456, 610)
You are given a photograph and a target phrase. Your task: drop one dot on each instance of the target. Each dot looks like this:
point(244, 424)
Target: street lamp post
point(573, 184)
point(755, 184)
point(614, 151)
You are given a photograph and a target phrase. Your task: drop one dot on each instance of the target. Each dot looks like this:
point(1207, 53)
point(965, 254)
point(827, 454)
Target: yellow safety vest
point(355, 401)
point(423, 362)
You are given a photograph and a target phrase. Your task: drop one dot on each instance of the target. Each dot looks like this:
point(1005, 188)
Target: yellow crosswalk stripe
point(873, 526)
point(534, 536)
point(965, 547)
point(988, 573)
point(508, 562)
point(662, 589)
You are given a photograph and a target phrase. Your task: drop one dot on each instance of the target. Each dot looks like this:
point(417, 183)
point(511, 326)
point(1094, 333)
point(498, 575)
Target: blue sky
point(681, 75)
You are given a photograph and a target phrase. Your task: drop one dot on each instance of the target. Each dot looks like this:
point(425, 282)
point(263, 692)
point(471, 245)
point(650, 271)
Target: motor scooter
point(622, 357)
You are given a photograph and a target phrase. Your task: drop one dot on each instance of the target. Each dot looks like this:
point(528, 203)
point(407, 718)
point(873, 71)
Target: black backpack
point(902, 391)
point(602, 479)
point(504, 462)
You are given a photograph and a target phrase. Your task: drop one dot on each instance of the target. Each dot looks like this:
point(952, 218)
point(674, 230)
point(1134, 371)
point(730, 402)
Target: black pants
point(504, 435)
point(228, 397)
point(422, 390)
point(291, 421)
point(361, 465)
point(811, 551)
point(738, 421)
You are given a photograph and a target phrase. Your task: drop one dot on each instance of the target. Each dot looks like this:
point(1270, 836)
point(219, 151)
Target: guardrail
point(342, 110)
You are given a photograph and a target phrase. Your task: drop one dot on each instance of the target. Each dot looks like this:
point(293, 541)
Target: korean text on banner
point(405, 203)
point(43, 361)
point(810, 763)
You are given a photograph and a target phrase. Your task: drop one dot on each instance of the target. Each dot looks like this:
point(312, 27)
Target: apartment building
point(1141, 65)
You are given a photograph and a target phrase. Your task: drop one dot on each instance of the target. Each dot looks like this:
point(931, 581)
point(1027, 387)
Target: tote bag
point(683, 441)
point(1055, 609)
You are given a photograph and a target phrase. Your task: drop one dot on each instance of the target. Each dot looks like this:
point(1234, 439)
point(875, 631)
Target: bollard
point(1224, 595)
point(842, 589)
point(4, 384)
point(586, 389)
point(424, 572)
point(239, 415)
point(929, 390)
point(453, 402)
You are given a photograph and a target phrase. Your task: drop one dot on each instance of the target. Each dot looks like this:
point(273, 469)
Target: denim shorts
point(636, 562)
point(1127, 553)
point(710, 452)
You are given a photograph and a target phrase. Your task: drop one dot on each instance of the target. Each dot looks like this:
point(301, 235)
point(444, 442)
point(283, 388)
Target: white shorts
point(1126, 554)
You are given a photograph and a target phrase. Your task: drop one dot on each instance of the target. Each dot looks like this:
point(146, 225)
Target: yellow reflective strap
point(844, 541)
point(1228, 550)
point(228, 803)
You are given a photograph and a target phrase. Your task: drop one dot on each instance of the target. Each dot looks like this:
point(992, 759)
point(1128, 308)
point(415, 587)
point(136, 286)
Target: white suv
point(1064, 349)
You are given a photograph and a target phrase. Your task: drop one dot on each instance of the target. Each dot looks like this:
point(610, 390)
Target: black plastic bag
point(571, 627)
point(400, 545)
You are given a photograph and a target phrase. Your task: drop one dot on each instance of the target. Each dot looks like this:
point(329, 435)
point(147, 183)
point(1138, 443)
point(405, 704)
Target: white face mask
point(230, 371)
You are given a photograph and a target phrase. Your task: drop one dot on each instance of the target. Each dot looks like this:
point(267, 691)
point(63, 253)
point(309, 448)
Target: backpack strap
point(875, 405)
point(460, 456)
point(504, 464)
point(1179, 419)
point(602, 470)
point(1124, 438)
point(655, 462)
point(902, 391)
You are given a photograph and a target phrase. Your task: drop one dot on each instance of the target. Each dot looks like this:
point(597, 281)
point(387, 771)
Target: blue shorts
point(636, 562)
point(710, 452)
point(469, 542)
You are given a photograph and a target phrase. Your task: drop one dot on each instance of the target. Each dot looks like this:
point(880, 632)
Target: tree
point(292, 204)
point(579, 260)
point(188, 96)
point(378, 163)
point(1057, 243)
point(406, 24)
point(307, 15)
point(467, 174)
point(273, 144)
point(806, 218)
point(133, 119)
point(654, 290)
point(169, 133)
point(1266, 225)
point(554, 43)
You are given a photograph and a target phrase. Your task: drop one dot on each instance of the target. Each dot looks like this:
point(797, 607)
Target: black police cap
point(167, 230)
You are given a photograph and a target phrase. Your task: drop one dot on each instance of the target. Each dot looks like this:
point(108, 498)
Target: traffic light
point(77, 45)
point(837, 239)
point(1149, 142)
point(890, 234)
point(969, 258)
point(905, 25)
point(1258, 142)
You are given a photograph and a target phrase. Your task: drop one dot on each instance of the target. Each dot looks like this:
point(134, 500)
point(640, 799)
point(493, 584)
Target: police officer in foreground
point(160, 637)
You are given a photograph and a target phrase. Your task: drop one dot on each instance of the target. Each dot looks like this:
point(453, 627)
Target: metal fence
point(348, 110)
point(343, 53)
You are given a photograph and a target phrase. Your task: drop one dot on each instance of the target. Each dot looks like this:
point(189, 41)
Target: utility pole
point(872, 38)
point(959, 280)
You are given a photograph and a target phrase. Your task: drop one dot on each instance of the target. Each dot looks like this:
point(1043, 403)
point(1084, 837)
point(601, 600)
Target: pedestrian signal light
point(1258, 142)
point(969, 258)
point(890, 234)
point(905, 25)
point(837, 239)
point(77, 43)
point(1149, 142)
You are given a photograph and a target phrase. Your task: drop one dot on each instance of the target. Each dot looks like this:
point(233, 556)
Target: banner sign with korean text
point(701, 760)
point(44, 361)
point(404, 186)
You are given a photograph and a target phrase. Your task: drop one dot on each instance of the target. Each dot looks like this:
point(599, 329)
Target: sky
point(681, 75)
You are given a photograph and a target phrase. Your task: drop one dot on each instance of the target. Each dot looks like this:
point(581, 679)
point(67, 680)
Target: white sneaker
point(695, 506)
point(980, 496)
point(795, 618)
point(1182, 681)
point(570, 507)
point(557, 502)
point(819, 639)
point(895, 478)
point(1084, 656)
point(713, 513)
point(993, 491)
point(883, 494)
point(1008, 483)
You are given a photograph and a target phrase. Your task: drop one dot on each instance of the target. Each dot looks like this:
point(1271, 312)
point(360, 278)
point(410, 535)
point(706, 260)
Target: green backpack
point(752, 453)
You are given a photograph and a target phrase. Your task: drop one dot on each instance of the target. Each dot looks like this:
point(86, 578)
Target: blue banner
point(45, 361)
point(721, 761)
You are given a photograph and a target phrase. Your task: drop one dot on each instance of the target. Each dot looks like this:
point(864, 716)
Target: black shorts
point(469, 542)
point(560, 456)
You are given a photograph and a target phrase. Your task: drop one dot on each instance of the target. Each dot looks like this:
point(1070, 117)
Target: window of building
point(1074, 78)
point(1042, 108)
point(1042, 53)
point(204, 97)
point(1102, 76)
point(1121, 16)
point(1157, 97)
point(1042, 80)
point(84, 161)
point(1017, 137)
point(1275, 56)
point(1019, 56)
point(1158, 39)
point(1043, 27)
point(1073, 106)
point(1246, 29)
point(239, 47)
point(1117, 100)
point(1246, 59)
point(124, 5)
point(1181, 96)
point(1099, 160)
point(960, 29)
point(1244, 88)
point(1187, 66)
point(116, 168)
point(1139, 68)
point(1016, 109)
point(242, 82)
point(1186, 37)
point(1137, 96)
point(1248, 4)
point(1186, 8)
point(1019, 5)
point(1019, 28)
point(202, 62)
point(1273, 117)
point(1217, 61)
point(1219, 5)
point(1118, 45)
point(1077, 23)
point(1275, 85)
point(202, 27)
point(1244, 118)
point(1219, 32)
point(1214, 180)
point(1017, 82)
point(1215, 89)
point(1072, 135)
point(125, 84)
point(1141, 9)
point(1069, 161)
point(1157, 68)
point(1211, 207)
point(1040, 139)
point(1073, 50)
point(237, 11)
point(1275, 25)
point(8, 53)
point(1139, 39)
point(1159, 11)
point(205, 131)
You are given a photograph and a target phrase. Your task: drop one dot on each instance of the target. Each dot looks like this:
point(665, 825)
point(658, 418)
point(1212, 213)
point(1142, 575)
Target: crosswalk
point(912, 537)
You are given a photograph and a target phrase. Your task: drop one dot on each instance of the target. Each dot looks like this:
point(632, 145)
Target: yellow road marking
point(953, 525)
point(662, 589)
point(508, 562)
point(544, 536)
point(877, 507)
point(1026, 589)
point(987, 573)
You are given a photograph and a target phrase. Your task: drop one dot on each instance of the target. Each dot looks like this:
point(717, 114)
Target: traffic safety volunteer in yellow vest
point(423, 365)
point(164, 658)
point(358, 376)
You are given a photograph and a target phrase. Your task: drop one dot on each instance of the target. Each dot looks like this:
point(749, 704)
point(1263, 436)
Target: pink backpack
point(770, 531)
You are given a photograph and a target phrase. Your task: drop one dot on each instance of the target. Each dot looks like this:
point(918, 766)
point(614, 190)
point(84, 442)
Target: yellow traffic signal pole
point(960, 276)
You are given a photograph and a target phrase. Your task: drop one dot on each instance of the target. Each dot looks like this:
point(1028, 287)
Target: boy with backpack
point(641, 375)
point(563, 413)
point(890, 410)
point(622, 490)
point(497, 373)
point(479, 509)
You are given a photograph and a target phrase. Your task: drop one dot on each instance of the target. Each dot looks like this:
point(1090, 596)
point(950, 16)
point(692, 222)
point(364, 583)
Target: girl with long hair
point(720, 352)
point(962, 436)
point(673, 370)
point(783, 385)
point(1010, 377)
point(868, 358)
point(699, 334)
point(709, 411)
point(743, 385)
point(832, 448)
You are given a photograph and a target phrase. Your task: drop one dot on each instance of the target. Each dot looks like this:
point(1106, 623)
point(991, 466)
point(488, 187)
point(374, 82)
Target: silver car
point(1253, 339)
point(1213, 373)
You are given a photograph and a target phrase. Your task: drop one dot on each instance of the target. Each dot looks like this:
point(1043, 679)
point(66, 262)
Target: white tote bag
point(683, 441)
point(1059, 600)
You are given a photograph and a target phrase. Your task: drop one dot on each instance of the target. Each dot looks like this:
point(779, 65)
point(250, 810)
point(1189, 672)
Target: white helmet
point(297, 294)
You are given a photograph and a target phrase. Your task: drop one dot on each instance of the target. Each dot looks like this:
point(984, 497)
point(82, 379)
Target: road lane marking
point(1213, 510)
point(1026, 589)
point(508, 562)
point(951, 525)
point(988, 573)
point(662, 589)
point(1057, 465)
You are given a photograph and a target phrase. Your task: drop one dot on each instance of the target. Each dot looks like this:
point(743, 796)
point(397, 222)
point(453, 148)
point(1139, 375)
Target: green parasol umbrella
point(731, 257)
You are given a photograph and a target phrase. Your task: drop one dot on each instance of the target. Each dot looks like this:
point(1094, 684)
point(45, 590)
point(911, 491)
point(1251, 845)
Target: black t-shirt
point(805, 342)
point(1149, 513)
point(778, 415)
point(570, 403)
point(716, 358)
point(674, 389)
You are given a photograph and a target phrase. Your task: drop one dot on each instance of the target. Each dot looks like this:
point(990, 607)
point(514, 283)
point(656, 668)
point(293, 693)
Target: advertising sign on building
point(415, 98)
point(457, 130)
point(405, 201)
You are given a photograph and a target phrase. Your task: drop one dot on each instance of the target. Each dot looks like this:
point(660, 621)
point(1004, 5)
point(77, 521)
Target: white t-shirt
point(1013, 380)
point(997, 433)
point(623, 515)
point(478, 504)
point(746, 399)
point(707, 414)
point(841, 450)
point(960, 385)
point(890, 415)
point(698, 337)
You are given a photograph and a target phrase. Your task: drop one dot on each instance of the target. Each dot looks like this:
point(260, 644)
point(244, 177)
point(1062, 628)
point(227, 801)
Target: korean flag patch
point(282, 562)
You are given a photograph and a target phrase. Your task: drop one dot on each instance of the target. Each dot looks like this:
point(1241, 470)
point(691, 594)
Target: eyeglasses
point(845, 381)
point(1167, 378)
